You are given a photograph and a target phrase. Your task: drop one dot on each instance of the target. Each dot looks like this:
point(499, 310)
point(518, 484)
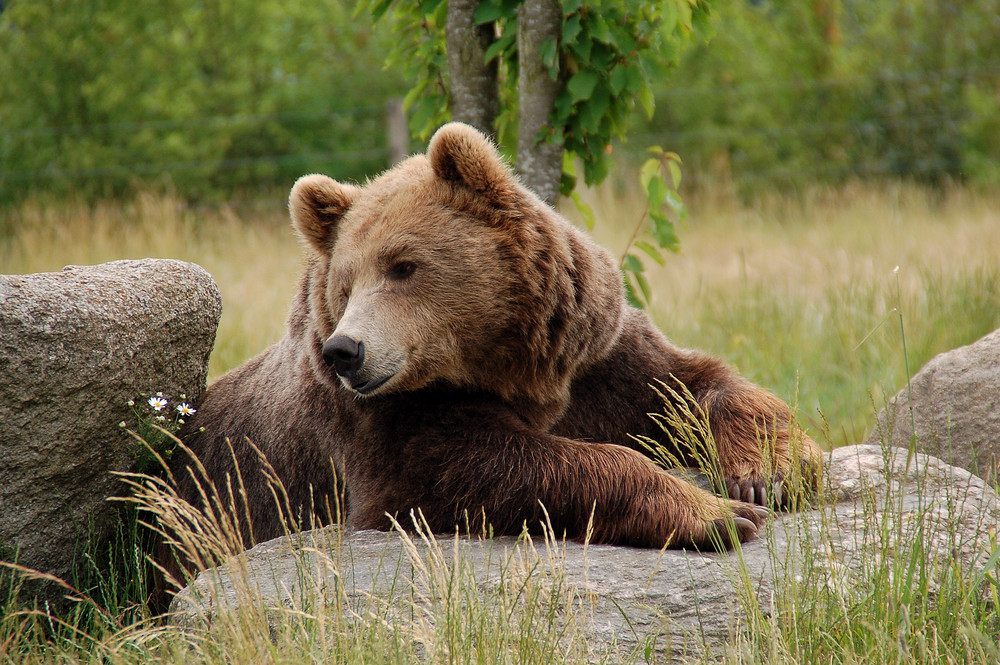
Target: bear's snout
point(344, 354)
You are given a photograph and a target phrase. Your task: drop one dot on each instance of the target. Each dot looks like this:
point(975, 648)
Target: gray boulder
point(612, 600)
point(75, 346)
point(955, 409)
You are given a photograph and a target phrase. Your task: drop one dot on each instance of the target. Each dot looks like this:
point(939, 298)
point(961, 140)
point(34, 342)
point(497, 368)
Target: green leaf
point(663, 231)
point(618, 80)
point(487, 12)
point(581, 47)
point(380, 8)
point(569, 163)
point(593, 110)
point(550, 56)
point(630, 293)
point(650, 168)
point(632, 263)
point(675, 203)
point(586, 212)
point(500, 45)
point(647, 293)
point(599, 29)
point(562, 108)
point(621, 39)
point(602, 56)
point(701, 24)
point(647, 101)
point(581, 85)
point(656, 192)
point(635, 79)
point(428, 7)
point(650, 251)
point(571, 28)
point(675, 173)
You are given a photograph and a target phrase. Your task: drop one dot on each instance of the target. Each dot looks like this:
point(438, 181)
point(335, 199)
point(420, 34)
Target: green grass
point(801, 295)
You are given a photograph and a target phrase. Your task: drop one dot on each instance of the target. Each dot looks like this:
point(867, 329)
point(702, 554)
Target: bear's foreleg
point(756, 450)
point(607, 493)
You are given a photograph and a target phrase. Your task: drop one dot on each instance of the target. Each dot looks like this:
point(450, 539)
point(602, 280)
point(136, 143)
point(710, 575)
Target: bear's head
point(446, 269)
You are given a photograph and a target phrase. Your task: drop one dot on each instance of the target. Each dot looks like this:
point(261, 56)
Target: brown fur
point(513, 373)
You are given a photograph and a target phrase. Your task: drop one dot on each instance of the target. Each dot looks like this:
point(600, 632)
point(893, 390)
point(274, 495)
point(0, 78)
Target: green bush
point(202, 97)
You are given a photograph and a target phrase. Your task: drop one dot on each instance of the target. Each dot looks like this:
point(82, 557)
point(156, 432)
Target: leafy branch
point(655, 224)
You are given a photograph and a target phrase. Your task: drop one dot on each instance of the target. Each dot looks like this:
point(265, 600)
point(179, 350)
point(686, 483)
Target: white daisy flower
point(157, 403)
point(186, 410)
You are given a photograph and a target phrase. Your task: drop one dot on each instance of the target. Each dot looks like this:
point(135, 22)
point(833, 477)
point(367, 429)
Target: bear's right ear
point(317, 203)
point(460, 153)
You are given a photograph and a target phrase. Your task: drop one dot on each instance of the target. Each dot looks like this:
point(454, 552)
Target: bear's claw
point(778, 493)
point(755, 490)
point(723, 530)
point(743, 523)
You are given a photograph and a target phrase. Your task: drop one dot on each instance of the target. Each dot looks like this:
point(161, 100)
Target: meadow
point(813, 296)
point(805, 295)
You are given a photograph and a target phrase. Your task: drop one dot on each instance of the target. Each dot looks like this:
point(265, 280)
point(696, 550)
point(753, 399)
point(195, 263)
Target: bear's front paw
point(741, 525)
point(780, 492)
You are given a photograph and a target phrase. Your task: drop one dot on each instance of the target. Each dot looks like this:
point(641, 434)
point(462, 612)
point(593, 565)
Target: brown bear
point(458, 348)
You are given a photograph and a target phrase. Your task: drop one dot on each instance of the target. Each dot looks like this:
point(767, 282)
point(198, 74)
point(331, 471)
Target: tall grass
point(888, 590)
point(795, 291)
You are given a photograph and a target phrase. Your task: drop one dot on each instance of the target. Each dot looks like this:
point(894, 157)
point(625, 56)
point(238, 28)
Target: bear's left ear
point(317, 203)
point(460, 153)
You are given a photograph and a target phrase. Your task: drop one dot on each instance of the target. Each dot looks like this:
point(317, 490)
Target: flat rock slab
point(75, 346)
point(622, 599)
point(951, 409)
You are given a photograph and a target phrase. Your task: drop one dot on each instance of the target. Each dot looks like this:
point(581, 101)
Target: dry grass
point(249, 249)
point(799, 293)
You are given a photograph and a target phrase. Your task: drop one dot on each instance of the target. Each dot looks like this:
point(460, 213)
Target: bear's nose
point(344, 354)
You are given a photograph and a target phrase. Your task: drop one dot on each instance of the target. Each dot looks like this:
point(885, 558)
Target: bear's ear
point(459, 153)
point(317, 204)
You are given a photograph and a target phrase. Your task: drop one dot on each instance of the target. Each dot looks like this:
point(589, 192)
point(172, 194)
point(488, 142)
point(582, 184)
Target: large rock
point(75, 346)
point(955, 409)
point(613, 599)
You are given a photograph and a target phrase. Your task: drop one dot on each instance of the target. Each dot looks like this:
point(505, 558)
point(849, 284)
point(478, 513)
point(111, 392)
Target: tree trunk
point(474, 86)
point(539, 162)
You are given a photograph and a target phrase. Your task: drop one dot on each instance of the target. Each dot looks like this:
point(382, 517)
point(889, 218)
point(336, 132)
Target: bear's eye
point(402, 270)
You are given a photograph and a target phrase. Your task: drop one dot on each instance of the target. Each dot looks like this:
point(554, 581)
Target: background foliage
point(205, 96)
point(796, 91)
point(215, 97)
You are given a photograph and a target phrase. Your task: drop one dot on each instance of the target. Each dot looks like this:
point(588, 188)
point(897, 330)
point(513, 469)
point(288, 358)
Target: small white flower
point(185, 409)
point(157, 403)
point(159, 394)
point(183, 396)
point(161, 418)
point(131, 402)
point(122, 424)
